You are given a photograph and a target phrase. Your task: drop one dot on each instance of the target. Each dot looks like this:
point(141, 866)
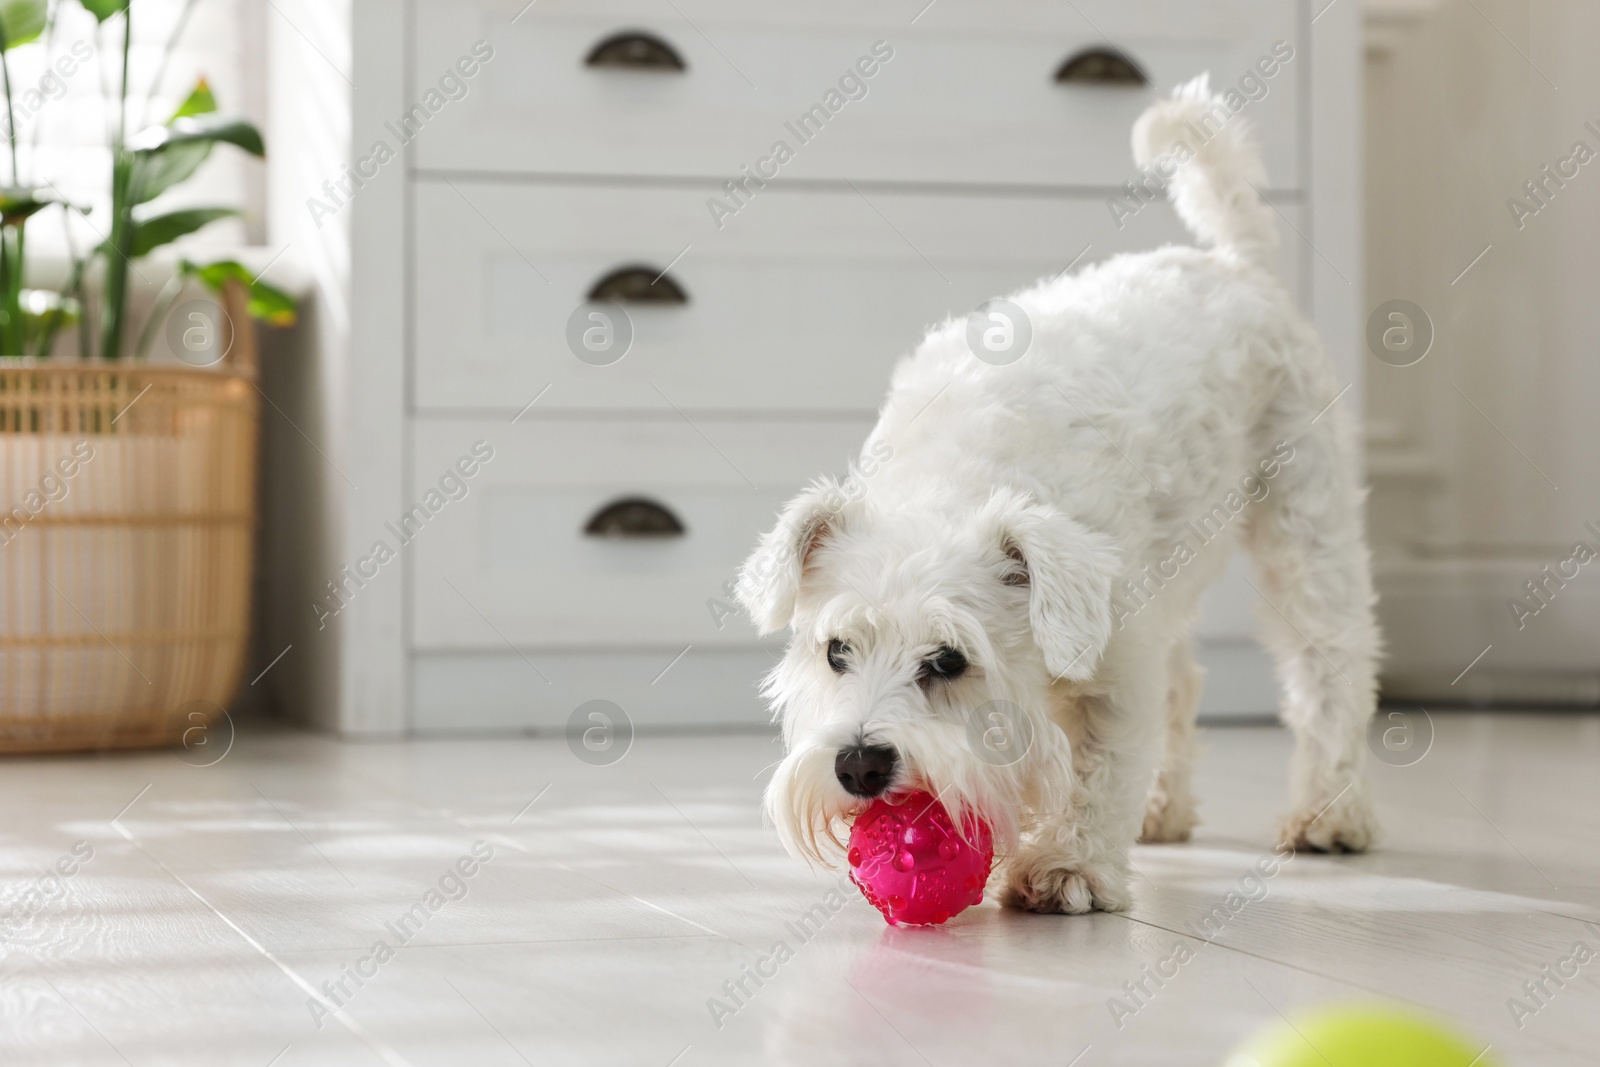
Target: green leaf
point(21, 21)
point(150, 234)
point(104, 9)
point(163, 156)
point(199, 102)
point(18, 204)
point(44, 312)
point(199, 129)
point(156, 172)
point(267, 303)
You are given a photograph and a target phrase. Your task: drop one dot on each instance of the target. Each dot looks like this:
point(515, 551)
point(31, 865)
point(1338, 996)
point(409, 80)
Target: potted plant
point(126, 543)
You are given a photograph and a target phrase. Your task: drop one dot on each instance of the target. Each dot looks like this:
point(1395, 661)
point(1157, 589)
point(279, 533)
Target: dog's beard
point(812, 812)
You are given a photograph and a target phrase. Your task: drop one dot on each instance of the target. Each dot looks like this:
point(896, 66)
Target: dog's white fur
point(1017, 501)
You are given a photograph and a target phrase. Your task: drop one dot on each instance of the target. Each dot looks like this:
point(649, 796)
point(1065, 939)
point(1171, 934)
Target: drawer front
point(801, 302)
point(484, 689)
point(510, 561)
point(969, 93)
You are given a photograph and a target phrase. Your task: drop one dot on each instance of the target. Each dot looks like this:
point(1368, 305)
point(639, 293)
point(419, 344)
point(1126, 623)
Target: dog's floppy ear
point(769, 581)
point(1068, 569)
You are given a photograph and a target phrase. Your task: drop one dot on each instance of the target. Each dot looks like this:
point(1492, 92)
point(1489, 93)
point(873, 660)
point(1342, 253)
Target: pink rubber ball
point(910, 863)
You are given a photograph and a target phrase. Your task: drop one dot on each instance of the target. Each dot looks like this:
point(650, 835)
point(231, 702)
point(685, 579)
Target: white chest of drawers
point(931, 159)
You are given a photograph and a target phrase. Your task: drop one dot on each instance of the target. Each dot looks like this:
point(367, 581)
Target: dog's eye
point(947, 663)
point(837, 650)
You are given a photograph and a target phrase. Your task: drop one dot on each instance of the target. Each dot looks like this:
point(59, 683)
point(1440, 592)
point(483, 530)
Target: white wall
point(309, 50)
point(1461, 112)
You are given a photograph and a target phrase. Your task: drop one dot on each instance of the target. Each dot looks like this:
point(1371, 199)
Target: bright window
point(64, 97)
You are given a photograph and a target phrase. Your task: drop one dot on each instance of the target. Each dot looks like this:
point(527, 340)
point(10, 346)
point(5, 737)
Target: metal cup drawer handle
point(1101, 66)
point(633, 518)
point(638, 285)
point(636, 50)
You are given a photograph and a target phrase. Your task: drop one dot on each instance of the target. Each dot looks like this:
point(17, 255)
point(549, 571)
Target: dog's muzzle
point(865, 770)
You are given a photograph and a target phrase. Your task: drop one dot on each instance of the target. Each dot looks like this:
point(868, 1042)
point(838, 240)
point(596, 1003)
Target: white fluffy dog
point(999, 613)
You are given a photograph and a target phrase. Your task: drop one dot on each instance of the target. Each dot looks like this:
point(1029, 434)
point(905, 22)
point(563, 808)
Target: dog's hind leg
point(1169, 814)
point(1309, 545)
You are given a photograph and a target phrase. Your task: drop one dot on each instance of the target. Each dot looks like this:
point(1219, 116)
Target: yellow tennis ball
point(1361, 1035)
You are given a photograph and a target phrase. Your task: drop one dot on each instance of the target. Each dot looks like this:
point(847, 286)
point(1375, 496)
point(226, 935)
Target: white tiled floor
point(622, 899)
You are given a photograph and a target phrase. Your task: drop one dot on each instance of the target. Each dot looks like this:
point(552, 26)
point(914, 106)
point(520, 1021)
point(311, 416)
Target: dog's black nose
point(865, 770)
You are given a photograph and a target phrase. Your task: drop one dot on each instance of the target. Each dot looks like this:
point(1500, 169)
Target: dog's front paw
point(1038, 886)
point(1167, 820)
point(1345, 823)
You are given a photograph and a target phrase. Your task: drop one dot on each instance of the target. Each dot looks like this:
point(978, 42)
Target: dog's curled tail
point(1209, 159)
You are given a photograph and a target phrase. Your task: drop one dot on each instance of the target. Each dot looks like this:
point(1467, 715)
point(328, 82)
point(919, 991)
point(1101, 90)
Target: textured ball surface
point(1361, 1035)
point(909, 862)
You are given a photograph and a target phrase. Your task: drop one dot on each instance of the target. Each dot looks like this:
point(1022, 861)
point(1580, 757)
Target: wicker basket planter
point(125, 547)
